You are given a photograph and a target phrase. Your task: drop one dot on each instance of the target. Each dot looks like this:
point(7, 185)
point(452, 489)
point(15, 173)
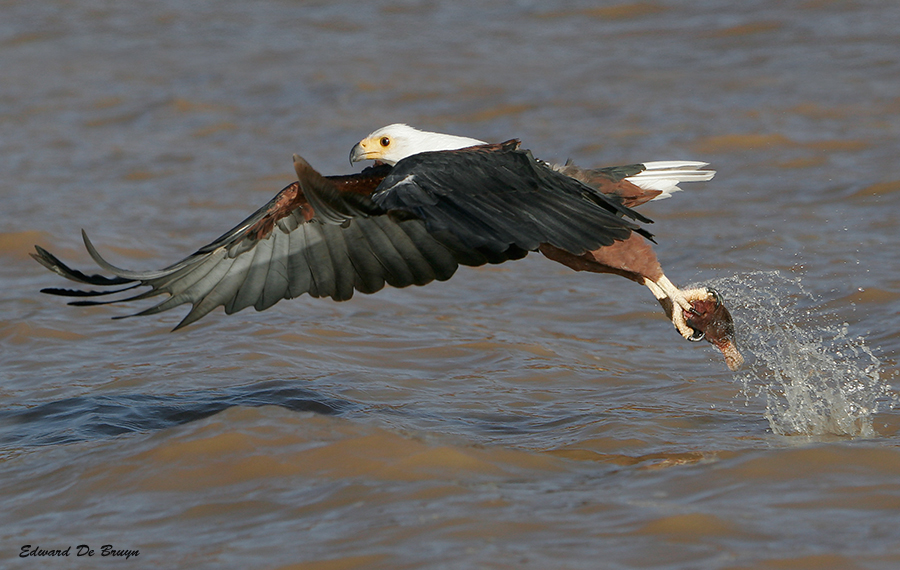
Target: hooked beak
point(358, 153)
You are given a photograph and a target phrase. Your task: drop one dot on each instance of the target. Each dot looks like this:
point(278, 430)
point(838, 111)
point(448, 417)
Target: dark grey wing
point(311, 238)
point(494, 197)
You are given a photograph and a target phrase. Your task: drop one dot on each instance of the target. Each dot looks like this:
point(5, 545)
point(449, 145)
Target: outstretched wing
point(404, 226)
point(318, 236)
point(494, 196)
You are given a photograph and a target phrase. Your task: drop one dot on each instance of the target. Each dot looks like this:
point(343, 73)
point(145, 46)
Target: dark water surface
point(519, 416)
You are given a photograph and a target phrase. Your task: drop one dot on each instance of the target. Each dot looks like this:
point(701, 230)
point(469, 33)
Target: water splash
point(816, 378)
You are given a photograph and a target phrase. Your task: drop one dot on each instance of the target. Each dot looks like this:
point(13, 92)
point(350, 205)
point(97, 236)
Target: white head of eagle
point(393, 143)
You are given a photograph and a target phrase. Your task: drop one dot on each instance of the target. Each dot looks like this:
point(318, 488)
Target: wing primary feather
point(319, 261)
point(462, 254)
point(276, 285)
point(396, 271)
point(202, 302)
point(180, 288)
point(172, 284)
point(52, 263)
point(252, 287)
point(118, 271)
point(439, 258)
point(344, 273)
point(83, 293)
point(421, 272)
point(299, 273)
point(369, 273)
point(224, 288)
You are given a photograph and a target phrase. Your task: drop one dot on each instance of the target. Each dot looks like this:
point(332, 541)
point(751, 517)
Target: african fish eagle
point(430, 203)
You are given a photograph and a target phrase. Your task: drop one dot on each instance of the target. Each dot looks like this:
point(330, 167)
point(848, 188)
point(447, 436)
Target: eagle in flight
point(429, 203)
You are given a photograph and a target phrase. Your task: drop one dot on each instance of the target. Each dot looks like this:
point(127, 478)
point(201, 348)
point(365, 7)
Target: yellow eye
point(385, 141)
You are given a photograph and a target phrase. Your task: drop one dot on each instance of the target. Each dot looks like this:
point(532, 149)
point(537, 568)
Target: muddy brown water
point(519, 416)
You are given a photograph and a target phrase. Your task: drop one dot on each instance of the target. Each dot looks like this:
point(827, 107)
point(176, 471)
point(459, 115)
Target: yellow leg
point(670, 296)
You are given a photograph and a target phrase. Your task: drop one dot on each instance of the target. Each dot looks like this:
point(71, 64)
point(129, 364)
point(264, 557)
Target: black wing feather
point(492, 199)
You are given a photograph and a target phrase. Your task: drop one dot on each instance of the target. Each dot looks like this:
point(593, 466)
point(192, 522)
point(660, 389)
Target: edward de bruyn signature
point(80, 550)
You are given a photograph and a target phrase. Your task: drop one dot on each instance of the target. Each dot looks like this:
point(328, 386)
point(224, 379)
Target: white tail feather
point(664, 175)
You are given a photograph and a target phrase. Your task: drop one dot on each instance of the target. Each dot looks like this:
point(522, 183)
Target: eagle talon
point(697, 336)
point(716, 297)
